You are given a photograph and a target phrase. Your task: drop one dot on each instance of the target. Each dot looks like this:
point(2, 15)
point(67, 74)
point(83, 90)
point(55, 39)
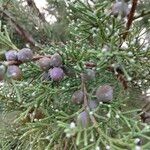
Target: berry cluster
point(13, 71)
point(52, 68)
point(24, 55)
point(103, 94)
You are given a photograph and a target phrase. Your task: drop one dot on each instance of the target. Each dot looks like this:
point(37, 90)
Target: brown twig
point(120, 77)
point(130, 18)
point(145, 113)
point(20, 30)
point(95, 123)
point(66, 145)
point(90, 64)
point(86, 104)
point(35, 58)
point(32, 5)
point(84, 91)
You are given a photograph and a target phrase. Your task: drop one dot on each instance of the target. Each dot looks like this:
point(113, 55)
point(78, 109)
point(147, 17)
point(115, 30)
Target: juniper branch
point(130, 17)
point(32, 5)
point(35, 58)
point(20, 30)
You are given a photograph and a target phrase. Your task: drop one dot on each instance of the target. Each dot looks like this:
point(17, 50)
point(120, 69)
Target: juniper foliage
point(39, 114)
